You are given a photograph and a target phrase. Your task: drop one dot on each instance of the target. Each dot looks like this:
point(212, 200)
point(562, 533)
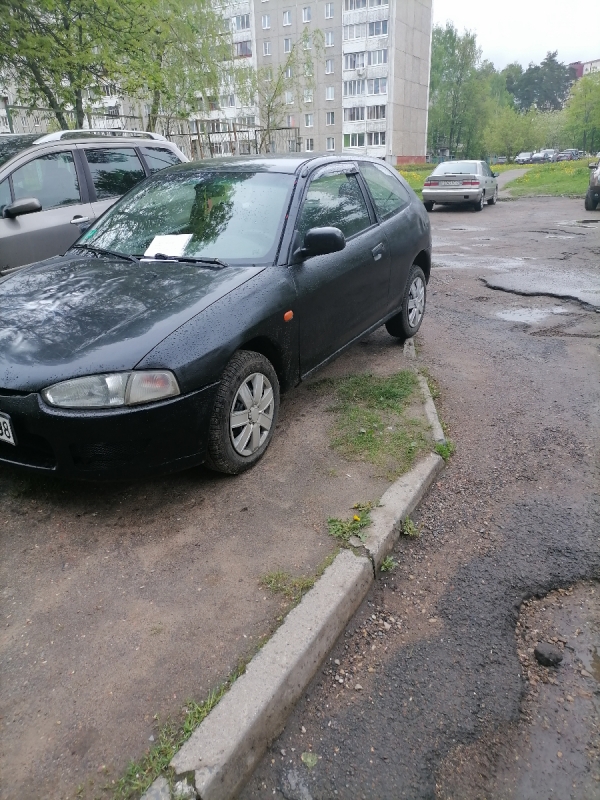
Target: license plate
point(6, 430)
point(452, 183)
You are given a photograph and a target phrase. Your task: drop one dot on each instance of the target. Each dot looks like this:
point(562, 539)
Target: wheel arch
point(271, 350)
point(423, 260)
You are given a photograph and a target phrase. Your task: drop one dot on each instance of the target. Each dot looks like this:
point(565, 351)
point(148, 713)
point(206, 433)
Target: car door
point(113, 171)
point(399, 221)
point(53, 179)
point(340, 295)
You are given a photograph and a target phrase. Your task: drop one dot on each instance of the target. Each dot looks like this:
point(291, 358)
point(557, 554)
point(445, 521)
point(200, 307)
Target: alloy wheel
point(416, 301)
point(251, 414)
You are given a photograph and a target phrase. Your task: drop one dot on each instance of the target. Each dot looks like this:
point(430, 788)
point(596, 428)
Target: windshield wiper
point(103, 251)
point(216, 262)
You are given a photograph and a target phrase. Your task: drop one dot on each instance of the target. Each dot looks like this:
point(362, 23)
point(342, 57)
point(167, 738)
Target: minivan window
point(51, 179)
point(114, 170)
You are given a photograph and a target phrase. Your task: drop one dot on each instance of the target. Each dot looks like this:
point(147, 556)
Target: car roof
point(289, 163)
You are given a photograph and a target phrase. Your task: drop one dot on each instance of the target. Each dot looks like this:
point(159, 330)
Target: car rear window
point(158, 158)
point(114, 170)
point(456, 168)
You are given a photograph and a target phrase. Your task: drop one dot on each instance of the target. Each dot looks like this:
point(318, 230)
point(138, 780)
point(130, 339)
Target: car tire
point(479, 204)
point(494, 198)
point(590, 201)
point(408, 321)
point(428, 205)
point(249, 386)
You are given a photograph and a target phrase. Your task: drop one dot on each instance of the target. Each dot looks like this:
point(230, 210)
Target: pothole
point(529, 315)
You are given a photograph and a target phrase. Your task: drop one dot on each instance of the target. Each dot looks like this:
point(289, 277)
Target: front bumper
point(108, 444)
point(459, 194)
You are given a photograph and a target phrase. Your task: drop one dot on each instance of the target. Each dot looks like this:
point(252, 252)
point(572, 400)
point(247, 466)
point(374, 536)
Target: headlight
point(110, 391)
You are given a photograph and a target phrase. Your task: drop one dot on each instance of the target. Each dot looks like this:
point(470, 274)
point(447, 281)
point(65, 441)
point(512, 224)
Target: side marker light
point(289, 315)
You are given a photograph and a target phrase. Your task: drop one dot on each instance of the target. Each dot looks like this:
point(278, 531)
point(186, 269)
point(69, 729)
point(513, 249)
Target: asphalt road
point(431, 692)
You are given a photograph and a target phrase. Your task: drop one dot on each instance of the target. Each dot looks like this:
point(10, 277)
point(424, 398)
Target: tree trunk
point(79, 112)
point(153, 116)
point(52, 102)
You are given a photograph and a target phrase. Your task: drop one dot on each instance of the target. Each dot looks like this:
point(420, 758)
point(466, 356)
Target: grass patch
point(388, 564)
point(141, 774)
point(445, 449)
point(371, 422)
point(410, 529)
point(558, 179)
point(343, 530)
point(291, 587)
point(415, 174)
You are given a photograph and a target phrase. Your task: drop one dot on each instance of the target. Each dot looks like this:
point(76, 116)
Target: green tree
point(545, 85)
point(506, 133)
point(582, 114)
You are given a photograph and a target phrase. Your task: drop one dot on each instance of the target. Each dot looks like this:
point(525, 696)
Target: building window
point(243, 49)
point(376, 112)
point(290, 121)
point(330, 118)
point(377, 57)
point(355, 114)
point(328, 10)
point(289, 72)
point(329, 42)
point(266, 48)
point(269, 74)
point(287, 17)
point(306, 14)
point(292, 146)
point(228, 101)
point(308, 43)
point(329, 66)
point(379, 28)
point(354, 88)
point(308, 95)
point(308, 120)
point(354, 32)
point(266, 21)
point(241, 22)
point(376, 138)
point(377, 3)
point(289, 98)
point(354, 140)
point(287, 45)
point(330, 93)
point(310, 145)
point(354, 60)
point(330, 143)
point(377, 86)
point(352, 5)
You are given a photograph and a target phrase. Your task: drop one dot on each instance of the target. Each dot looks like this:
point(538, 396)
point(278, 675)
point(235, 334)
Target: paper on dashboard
point(169, 245)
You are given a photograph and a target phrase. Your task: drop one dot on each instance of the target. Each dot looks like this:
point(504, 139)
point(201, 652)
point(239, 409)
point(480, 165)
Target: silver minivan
point(53, 186)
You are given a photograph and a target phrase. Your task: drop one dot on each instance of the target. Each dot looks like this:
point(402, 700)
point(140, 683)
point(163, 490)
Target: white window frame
point(329, 66)
point(266, 22)
point(266, 48)
point(328, 10)
point(376, 83)
point(357, 58)
point(378, 3)
point(352, 32)
point(238, 21)
point(306, 14)
point(329, 39)
point(354, 139)
point(359, 116)
point(287, 45)
point(330, 93)
point(330, 118)
point(378, 57)
point(357, 86)
point(289, 98)
point(287, 18)
point(309, 120)
point(373, 26)
point(372, 113)
point(330, 143)
point(309, 145)
point(354, 5)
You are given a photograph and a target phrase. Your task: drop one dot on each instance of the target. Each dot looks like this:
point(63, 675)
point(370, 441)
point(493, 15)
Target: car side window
point(51, 179)
point(334, 200)
point(114, 170)
point(158, 158)
point(5, 199)
point(388, 194)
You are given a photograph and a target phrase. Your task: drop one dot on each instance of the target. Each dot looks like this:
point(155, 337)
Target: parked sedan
point(524, 158)
point(54, 184)
point(544, 156)
point(164, 337)
point(568, 155)
point(461, 182)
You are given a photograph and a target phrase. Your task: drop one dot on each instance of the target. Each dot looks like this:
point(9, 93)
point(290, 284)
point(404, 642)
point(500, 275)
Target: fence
point(209, 138)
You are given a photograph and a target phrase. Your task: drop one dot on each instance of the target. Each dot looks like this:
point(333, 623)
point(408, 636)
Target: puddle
point(559, 236)
point(529, 315)
point(463, 228)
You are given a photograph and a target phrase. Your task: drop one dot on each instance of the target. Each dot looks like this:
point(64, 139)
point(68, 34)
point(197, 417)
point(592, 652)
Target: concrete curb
point(439, 436)
point(224, 750)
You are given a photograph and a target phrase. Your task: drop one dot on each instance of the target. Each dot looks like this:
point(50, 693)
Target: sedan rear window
point(233, 216)
point(456, 168)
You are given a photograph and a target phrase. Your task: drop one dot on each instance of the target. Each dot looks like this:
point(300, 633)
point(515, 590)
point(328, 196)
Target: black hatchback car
point(163, 338)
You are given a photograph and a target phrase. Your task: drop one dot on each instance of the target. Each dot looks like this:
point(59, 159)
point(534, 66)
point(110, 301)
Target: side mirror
point(25, 206)
point(321, 242)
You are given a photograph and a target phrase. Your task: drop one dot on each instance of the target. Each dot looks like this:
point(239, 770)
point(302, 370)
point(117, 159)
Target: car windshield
point(456, 168)
point(228, 215)
point(11, 145)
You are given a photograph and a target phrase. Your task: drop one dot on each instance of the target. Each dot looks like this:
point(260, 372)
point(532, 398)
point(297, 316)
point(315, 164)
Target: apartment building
point(371, 79)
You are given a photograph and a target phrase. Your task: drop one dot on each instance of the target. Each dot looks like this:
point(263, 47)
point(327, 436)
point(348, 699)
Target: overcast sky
point(525, 30)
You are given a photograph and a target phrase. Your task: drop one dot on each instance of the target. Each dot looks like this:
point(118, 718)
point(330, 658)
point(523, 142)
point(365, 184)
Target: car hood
point(66, 317)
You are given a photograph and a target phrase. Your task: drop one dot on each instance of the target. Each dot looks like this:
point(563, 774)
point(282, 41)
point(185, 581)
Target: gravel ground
point(430, 675)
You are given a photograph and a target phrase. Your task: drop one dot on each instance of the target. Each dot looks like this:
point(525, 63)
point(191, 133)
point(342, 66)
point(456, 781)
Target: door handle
point(78, 220)
point(378, 251)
